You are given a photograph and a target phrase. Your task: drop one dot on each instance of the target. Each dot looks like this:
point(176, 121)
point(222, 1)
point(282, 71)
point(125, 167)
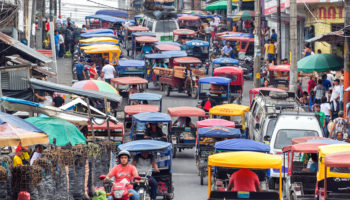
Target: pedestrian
point(339, 136)
point(108, 72)
point(80, 70)
point(37, 154)
point(69, 39)
point(304, 100)
point(340, 125)
point(347, 109)
point(267, 35)
point(311, 84)
point(57, 39)
point(311, 100)
point(273, 36)
point(322, 118)
point(46, 100)
point(335, 96)
point(307, 51)
point(266, 83)
point(325, 82)
point(17, 161)
point(341, 103)
point(61, 44)
point(57, 101)
point(320, 91)
point(325, 107)
point(271, 52)
point(93, 72)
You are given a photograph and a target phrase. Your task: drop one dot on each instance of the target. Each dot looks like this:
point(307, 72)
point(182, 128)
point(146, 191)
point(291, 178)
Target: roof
point(215, 122)
point(138, 34)
point(135, 109)
point(197, 43)
point(129, 80)
point(156, 56)
point(279, 68)
point(146, 39)
point(99, 30)
point(145, 145)
point(305, 139)
point(219, 131)
point(257, 90)
point(130, 63)
point(187, 60)
point(242, 145)
point(168, 47)
point(189, 18)
point(228, 61)
point(184, 32)
point(98, 39)
point(228, 70)
point(245, 159)
point(111, 35)
point(237, 34)
point(54, 87)
point(167, 42)
point(152, 117)
point(307, 147)
point(341, 159)
point(175, 54)
point(110, 48)
point(145, 96)
point(337, 36)
point(229, 110)
point(98, 46)
point(215, 80)
point(137, 28)
point(246, 39)
point(115, 13)
point(186, 111)
point(225, 33)
point(98, 43)
point(30, 54)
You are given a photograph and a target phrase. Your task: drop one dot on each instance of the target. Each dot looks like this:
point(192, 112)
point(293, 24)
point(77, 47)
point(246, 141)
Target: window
point(150, 25)
point(232, 77)
point(250, 49)
point(271, 127)
point(165, 26)
point(284, 137)
point(244, 44)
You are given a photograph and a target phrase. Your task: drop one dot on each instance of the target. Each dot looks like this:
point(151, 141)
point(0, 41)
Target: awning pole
point(107, 108)
point(90, 119)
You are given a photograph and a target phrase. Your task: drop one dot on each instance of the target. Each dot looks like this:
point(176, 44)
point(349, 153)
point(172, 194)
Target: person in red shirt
point(311, 84)
point(124, 172)
point(244, 180)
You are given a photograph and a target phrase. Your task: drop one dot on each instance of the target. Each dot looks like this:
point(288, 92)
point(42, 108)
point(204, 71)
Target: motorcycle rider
point(144, 162)
point(153, 131)
point(226, 50)
point(124, 172)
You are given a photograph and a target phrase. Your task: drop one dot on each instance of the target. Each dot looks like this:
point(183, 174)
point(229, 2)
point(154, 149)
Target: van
point(162, 28)
point(290, 125)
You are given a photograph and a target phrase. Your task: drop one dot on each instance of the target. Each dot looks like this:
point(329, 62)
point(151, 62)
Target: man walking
point(108, 72)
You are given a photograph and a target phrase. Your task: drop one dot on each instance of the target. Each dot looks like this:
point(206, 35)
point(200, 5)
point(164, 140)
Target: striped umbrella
point(95, 85)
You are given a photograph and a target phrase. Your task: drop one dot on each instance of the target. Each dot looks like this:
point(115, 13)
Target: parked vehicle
point(242, 159)
point(162, 28)
point(237, 79)
point(182, 136)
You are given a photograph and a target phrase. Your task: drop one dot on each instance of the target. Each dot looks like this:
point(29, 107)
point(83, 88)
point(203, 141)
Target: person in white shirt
point(335, 95)
point(37, 154)
point(108, 72)
point(46, 100)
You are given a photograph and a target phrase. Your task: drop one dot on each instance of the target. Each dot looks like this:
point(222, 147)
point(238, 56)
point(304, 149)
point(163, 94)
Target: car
point(162, 28)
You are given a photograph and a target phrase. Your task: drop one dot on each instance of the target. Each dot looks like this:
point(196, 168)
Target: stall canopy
point(332, 37)
point(219, 5)
point(54, 87)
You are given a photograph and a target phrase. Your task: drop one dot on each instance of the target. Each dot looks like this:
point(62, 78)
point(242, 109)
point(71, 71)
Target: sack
point(68, 54)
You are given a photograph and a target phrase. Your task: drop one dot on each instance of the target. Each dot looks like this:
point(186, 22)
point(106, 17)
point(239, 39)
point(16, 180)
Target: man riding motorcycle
point(144, 162)
point(124, 172)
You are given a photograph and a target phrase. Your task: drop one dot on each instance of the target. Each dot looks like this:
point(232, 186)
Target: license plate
point(163, 158)
point(173, 140)
point(243, 195)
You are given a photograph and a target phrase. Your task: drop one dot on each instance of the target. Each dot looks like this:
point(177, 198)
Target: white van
point(288, 126)
point(162, 28)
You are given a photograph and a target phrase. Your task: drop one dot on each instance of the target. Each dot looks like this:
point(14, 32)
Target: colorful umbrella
point(219, 5)
point(244, 15)
point(320, 63)
point(64, 132)
point(14, 130)
point(95, 85)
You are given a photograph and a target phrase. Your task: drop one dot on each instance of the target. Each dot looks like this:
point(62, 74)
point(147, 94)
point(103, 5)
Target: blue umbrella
point(18, 122)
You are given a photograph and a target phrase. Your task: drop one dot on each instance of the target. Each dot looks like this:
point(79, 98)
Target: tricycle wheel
point(201, 173)
point(167, 90)
point(174, 151)
point(194, 93)
point(161, 87)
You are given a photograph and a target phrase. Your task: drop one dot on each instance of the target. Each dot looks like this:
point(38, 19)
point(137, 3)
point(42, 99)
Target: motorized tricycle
point(183, 35)
point(128, 36)
point(279, 76)
point(131, 68)
point(142, 40)
point(217, 87)
point(110, 52)
point(153, 62)
point(174, 54)
point(124, 84)
point(222, 62)
point(162, 153)
point(189, 22)
point(200, 50)
point(182, 134)
point(159, 48)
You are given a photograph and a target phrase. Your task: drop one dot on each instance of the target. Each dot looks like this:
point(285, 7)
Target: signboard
point(271, 6)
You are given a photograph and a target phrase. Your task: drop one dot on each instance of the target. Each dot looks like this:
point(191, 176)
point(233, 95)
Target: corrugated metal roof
point(25, 49)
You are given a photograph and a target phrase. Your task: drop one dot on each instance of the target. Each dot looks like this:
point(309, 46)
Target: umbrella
point(14, 130)
point(95, 85)
point(219, 5)
point(320, 63)
point(243, 15)
point(64, 132)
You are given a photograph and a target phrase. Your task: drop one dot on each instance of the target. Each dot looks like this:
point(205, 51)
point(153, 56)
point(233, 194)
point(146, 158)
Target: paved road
point(186, 180)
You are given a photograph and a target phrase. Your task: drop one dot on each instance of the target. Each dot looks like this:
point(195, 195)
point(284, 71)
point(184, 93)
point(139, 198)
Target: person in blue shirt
point(146, 48)
point(57, 39)
point(226, 50)
point(313, 166)
point(159, 63)
point(273, 36)
point(80, 70)
point(325, 82)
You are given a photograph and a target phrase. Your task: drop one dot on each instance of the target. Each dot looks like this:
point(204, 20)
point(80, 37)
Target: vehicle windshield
point(165, 26)
point(232, 77)
point(284, 137)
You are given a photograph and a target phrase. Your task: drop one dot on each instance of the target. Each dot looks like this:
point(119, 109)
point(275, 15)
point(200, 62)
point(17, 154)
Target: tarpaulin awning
point(332, 37)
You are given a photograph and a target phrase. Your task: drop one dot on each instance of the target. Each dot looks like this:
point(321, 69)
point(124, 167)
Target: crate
point(179, 74)
point(156, 70)
point(166, 72)
point(198, 72)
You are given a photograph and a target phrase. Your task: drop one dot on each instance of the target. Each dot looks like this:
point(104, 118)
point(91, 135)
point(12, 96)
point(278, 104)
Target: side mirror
point(267, 138)
point(257, 126)
point(102, 177)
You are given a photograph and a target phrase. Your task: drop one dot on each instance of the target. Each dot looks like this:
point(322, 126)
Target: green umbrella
point(320, 63)
point(219, 5)
point(243, 15)
point(64, 132)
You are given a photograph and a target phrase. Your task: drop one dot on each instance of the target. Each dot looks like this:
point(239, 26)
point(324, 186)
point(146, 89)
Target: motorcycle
point(119, 191)
point(142, 186)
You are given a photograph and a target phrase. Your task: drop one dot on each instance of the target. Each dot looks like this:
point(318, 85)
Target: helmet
point(124, 153)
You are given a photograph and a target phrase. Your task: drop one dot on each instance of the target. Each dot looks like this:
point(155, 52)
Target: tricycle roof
point(341, 159)
point(138, 34)
point(92, 35)
point(131, 63)
point(187, 60)
point(243, 39)
point(307, 147)
point(279, 68)
point(152, 117)
point(167, 42)
point(175, 54)
point(228, 70)
point(197, 43)
point(145, 96)
point(145, 145)
point(186, 111)
point(129, 80)
point(238, 34)
point(146, 39)
point(98, 31)
point(184, 32)
point(156, 56)
point(98, 43)
point(245, 159)
point(188, 18)
point(228, 61)
point(215, 122)
point(229, 110)
point(257, 90)
point(137, 28)
point(219, 131)
point(241, 145)
point(98, 39)
point(215, 80)
point(168, 47)
point(140, 108)
point(305, 139)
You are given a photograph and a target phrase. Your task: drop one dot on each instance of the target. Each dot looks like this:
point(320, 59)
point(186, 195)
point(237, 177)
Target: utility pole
point(279, 32)
point(229, 14)
point(59, 7)
point(346, 97)
point(293, 46)
point(257, 44)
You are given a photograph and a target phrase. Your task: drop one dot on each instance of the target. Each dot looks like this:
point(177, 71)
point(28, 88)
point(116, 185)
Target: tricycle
point(183, 35)
point(162, 153)
point(222, 62)
point(110, 52)
point(236, 76)
point(205, 141)
point(218, 88)
point(173, 55)
point(124, 84)
point(128, 36)
point(279, 76)
point(242, 160)
point(155, 60)
point(183, 132)
point(131, 68)
point(143, 45)
point(189, 22)
point(200, 50)
point(159, 48)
